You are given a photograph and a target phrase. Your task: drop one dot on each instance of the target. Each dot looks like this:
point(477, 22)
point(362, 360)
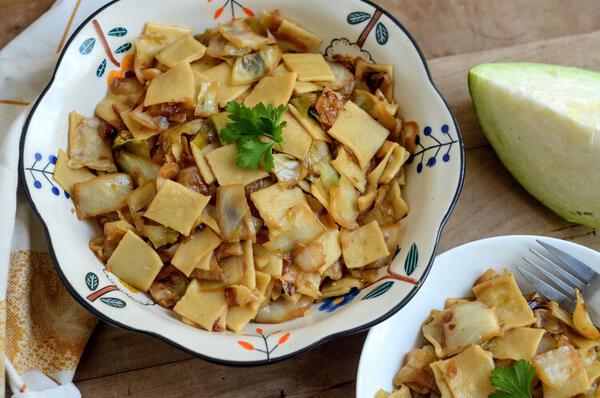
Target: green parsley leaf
point(254, 131)
point(251, 152)
point(513, 381)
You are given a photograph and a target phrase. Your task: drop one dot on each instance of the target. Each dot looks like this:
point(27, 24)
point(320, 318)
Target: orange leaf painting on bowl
point(233, 5)
point(266, 341)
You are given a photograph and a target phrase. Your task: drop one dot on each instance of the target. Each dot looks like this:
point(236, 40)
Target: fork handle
point(591, 295)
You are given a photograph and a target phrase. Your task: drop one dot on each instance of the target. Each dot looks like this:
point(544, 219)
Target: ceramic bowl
point(359, 28)
point(452, 275)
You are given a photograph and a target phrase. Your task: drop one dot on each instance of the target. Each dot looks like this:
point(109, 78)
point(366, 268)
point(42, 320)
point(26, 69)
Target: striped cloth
point(45, 329)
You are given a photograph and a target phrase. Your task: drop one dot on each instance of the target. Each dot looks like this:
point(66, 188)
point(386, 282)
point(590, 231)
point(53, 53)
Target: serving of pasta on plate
point(500, 343)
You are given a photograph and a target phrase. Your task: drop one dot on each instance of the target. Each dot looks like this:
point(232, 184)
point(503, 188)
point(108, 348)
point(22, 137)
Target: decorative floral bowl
point(453, 275)
point(98, 51)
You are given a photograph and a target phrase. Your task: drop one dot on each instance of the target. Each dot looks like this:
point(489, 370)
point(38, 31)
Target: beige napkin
point(45, 328)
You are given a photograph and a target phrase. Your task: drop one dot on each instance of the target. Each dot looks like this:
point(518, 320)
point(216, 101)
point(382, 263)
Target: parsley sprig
point(513, 381)
point(254, 131)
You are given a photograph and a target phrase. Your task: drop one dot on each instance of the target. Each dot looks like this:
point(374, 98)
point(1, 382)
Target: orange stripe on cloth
point(14, 102)
point(68, 27)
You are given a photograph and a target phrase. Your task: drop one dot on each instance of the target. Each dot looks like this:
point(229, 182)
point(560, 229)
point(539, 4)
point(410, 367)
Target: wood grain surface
point(454, 35)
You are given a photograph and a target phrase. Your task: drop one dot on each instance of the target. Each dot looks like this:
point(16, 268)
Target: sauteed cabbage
point(224, 240)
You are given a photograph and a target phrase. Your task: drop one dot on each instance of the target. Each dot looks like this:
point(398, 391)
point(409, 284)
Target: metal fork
point(568, 274)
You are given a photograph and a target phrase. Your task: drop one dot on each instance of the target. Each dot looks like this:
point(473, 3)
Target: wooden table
point(454, 35)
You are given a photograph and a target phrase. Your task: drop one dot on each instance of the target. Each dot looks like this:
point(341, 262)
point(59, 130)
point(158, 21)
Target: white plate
point(452, 275)
point(353, 27)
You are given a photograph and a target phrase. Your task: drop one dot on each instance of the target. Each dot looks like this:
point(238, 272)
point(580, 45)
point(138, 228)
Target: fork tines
point(568, 274)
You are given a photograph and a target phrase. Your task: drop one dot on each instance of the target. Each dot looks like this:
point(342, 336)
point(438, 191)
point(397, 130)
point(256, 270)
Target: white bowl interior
point(431, 193)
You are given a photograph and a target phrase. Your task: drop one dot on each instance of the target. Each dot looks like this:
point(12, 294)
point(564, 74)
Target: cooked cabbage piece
point(233, 214)
point(141, 169)
point(562, 372)
point(309, 66)
point(301, 227)
point(209, 218)
point(465, 323)
point(272, 90)
point(283, 310)
point(416, 372)
point(175, 85)
point(359, 132)
point(222, 163)
point(344, 79)
point(220, 47)
point(204, 308)
point(66, 176)
point(186, 49)
point(233, 270)
point(289, 171)
point(517, 343)
point(340, 287)
point(589, 357)
point(159, 235)
point(135, 262)
point(433, 332)
point(146, 48)
point(176, 207)
point(168, 287)
point(226, 91)
point(503, 292)
point(88, 146)
point(206, 95)
point(139, 199)
point(251, 67)
point(582, 322)
point(310, 124)
point(199, 150)
point(309, 258)
point(468, 323)
point(240, 33)
point(343, 204)
point(466, 375)
point(101, 195)
point(363, 245)
point(320, 172)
